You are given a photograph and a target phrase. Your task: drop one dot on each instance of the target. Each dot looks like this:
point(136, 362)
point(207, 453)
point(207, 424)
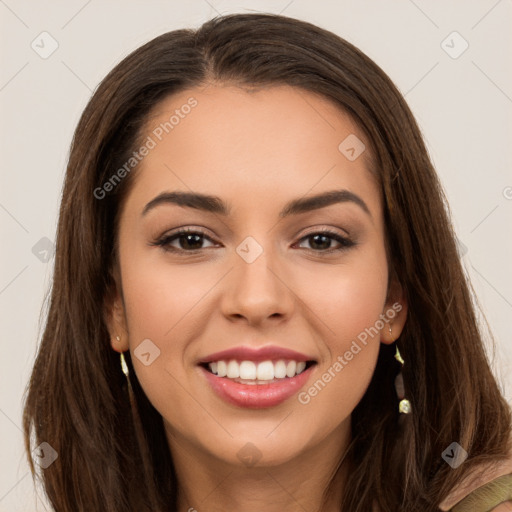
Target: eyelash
point(163, 242)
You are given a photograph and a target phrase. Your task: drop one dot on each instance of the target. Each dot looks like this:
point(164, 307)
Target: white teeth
point(265, 370)
point(247, 370)
point(233, 370)
point(290, 368)
point(222, 369)
point(280, 370)
point(251, 371)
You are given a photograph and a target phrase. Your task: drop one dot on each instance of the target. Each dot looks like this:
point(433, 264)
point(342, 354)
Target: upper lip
point(269, 352)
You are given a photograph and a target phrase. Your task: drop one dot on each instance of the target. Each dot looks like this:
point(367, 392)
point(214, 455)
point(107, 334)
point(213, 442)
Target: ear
point(394, 314)
point(115, 316)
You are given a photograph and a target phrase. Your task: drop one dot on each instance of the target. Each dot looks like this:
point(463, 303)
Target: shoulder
point(489, 488)
point(494, 496)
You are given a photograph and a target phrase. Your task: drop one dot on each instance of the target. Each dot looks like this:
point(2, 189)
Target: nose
point(258, 292)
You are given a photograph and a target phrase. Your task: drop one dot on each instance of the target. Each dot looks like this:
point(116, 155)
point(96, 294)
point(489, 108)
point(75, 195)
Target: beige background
point(463, 105)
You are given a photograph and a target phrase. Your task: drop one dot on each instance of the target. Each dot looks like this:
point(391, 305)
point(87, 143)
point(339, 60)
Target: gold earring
point(124, 366)
point(404, 406)
point(398, 357)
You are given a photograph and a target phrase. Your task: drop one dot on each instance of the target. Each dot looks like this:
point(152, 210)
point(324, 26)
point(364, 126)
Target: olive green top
point(486, 497)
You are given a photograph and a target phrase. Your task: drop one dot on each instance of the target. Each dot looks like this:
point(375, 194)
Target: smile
point(256, 378)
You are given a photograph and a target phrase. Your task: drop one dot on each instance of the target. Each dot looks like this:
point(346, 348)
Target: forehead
point(268, 143)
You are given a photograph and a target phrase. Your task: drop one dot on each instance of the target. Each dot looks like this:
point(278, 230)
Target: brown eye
point(322, 241)
point(187, 240)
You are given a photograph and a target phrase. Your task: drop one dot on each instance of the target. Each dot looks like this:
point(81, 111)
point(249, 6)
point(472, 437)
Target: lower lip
point(257, 396)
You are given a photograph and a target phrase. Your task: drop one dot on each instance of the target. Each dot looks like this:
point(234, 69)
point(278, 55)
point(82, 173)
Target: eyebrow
point(214, 204)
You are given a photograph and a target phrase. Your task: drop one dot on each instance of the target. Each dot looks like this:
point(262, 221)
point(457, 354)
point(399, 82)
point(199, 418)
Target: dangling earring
point(124, 366)
point(404, 406)
point(126, 371)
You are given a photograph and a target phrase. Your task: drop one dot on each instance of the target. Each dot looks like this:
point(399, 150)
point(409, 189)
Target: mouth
point(257, 384)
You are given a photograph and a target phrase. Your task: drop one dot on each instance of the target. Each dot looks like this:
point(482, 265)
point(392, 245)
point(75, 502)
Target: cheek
point(159, 295)
point(166, 304)
point(349, 302)
point(160, 301)
point(346, 298)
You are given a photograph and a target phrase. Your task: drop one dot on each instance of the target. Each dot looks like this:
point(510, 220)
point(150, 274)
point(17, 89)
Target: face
point(286, 294)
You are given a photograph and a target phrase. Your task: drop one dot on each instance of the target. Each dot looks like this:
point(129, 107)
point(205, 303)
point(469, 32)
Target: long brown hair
point(77, 398)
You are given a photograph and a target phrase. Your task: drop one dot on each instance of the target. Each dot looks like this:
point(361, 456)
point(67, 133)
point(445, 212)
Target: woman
point(251, 219)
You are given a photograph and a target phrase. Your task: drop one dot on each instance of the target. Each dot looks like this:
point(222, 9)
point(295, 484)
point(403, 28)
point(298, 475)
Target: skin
point(256, 150)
